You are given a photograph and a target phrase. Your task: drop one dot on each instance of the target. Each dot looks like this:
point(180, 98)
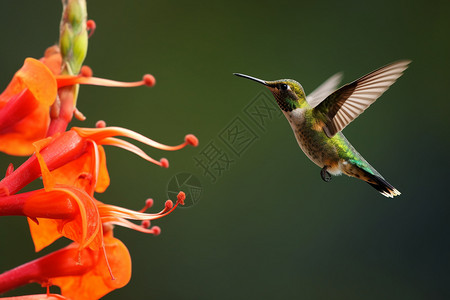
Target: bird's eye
point(284, 87)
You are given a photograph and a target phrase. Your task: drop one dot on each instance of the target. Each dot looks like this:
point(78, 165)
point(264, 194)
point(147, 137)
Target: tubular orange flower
point(80, 274)
point(50, 222)
point(71, 210)
point(31, 98)
point(62, 211)
point(81, 218)
point(35, 110)
point(71, 186)
point(70, 146)
point(24, 107)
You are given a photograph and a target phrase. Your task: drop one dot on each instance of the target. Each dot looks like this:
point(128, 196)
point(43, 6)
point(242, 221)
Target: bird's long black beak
point(251, 78)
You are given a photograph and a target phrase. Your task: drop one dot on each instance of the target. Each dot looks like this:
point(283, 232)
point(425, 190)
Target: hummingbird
point(319, 118)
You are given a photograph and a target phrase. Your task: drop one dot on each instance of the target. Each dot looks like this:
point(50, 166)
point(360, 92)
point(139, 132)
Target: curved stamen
point(102, 133)
point(132, 148)
point(120, 216)
point(67, 80)
point(155, 230)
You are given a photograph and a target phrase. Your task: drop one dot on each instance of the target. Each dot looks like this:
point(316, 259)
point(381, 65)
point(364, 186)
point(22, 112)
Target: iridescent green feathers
point(348, 102)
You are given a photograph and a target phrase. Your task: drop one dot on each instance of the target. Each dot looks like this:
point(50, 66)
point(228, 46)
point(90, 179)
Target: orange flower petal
point(84, 227)
point(97, 282)
point(19, 140)
point(103, 179)
point(43, 234)
point(37, 78)
point(24, 107)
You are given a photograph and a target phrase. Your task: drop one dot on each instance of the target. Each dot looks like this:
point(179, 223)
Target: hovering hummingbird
point(318, 119)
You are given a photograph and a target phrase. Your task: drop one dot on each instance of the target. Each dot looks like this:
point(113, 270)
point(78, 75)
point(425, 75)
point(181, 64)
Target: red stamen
point(148, 204)
point(132, 148)
point(100, 124)
point(68, 80)
point(111, 214)
point(125, 223)
point(149, 80)
point(145, 223)
point(91, 26)
point(101, 134)
point(191, 140)
point(156, 230)
point(164, 163)
point(181, 197)
point(86, 71)
point(167, 206)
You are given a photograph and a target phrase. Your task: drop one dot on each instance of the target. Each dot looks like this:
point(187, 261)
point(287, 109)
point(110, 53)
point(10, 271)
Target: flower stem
point(73, 43)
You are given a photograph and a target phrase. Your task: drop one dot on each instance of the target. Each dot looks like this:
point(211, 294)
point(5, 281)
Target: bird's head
point(288, 93)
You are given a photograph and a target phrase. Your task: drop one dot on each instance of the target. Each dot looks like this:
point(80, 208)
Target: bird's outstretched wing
point(324, 90)
point(348, 102)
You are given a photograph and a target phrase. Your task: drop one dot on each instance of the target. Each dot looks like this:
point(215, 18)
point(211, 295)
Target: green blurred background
point(269, 227)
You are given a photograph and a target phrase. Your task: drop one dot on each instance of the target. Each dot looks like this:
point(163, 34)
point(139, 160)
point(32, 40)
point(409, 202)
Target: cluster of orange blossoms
point(35, 110)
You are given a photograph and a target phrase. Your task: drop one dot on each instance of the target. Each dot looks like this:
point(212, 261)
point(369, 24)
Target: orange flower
point(30, 101)
point(97, 263)
point(79, 149)
point(81, 274)
point(70, 212)
point(73, 166)
point(24, 107)
point(62, 211)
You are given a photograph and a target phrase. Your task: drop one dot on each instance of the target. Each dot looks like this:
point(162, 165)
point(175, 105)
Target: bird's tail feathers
point(381, 185)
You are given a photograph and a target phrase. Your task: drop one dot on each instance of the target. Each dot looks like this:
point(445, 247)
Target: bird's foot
point(325, 175)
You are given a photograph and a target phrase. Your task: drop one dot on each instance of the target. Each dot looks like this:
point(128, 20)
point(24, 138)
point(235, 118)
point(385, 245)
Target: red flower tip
point(156, 230)
point(90, 26)
point(145, 224)
point(86, 71)
point(148, 204)
point(168, 205)
point(164, 163)
point(191, 139)
point(100, 124)
point(9, 170)
point(181, 197)
point(149, 80)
